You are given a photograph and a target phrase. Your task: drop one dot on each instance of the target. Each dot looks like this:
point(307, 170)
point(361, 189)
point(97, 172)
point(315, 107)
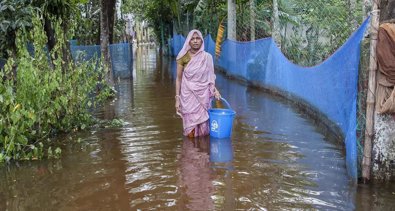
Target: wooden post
point(370, 101)
point(252, 19)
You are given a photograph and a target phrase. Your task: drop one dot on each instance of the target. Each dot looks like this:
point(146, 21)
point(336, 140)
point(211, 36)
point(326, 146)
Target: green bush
point(48, 96)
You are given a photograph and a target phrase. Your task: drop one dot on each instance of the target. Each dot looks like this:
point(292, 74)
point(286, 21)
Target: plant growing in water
point(47, 97)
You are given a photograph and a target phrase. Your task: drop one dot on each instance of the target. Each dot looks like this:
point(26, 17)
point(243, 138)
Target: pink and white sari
point(197, 87)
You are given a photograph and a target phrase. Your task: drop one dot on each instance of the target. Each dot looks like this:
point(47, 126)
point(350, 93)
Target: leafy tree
point(208, 14)
point(14, 16)
point(59, 10)
point(64, 12)
point(87, 27)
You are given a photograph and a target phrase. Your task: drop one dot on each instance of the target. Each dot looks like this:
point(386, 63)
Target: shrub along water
point(45, 97)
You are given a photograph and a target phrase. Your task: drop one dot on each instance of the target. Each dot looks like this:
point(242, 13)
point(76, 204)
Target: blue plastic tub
point(221, 121)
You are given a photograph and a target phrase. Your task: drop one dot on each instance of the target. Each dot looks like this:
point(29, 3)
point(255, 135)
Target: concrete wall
point(384, 148)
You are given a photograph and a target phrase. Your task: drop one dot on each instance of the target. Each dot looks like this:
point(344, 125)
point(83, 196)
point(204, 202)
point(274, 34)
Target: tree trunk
point(162, 38)
point(13, 74)
point(104, 43)
point(50, 34)
point(147, 34)
point(187, 29)
point(111, 19)
point(174, 28)
point(51, 41)
point(370, 101)
point(211, 11)
point(252, 19)
point(231, 20)
point(276, 26)
point(66, 55)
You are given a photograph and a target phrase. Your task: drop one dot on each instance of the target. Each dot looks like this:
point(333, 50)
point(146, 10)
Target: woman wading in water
point(195, 85)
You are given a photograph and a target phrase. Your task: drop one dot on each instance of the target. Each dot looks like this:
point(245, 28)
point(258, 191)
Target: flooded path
point(276, 159)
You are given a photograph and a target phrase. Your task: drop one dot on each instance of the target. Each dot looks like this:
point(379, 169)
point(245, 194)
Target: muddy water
point(276, 159)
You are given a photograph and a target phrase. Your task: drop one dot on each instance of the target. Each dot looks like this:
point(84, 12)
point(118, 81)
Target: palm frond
point(218, 41)
point(200, 7)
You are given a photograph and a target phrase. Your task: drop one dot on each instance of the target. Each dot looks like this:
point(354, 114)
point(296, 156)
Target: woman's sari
point(197, 87)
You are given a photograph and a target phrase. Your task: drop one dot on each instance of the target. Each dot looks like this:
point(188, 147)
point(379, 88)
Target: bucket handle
point(226, 102)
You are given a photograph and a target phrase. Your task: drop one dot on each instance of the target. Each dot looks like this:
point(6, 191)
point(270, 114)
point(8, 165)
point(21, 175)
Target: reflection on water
point(379, 196)
point(276, 159)
point(195, 175)
point(221, 150)
point(202, 160)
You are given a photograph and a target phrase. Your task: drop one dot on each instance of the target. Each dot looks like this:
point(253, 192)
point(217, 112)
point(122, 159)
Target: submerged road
point(276, 159)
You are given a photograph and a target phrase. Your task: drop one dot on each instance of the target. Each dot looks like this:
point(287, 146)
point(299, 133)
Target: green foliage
point(207, 15)
point(63, 10)
point(327, 26)
point(327, 22)
point(46, 98)
point(156, 13)
point(14, 15)
point(106, 123)
point(117, 123)
point(119, 30)
point(54, 153)
point(87, 24)
point(200, 13)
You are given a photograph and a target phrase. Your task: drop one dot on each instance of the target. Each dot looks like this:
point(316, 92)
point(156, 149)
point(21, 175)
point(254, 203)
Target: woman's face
point(196, 42)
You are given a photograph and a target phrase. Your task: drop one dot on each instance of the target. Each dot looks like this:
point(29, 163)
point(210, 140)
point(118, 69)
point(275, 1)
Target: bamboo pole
point(370, 101)
point(252, 19)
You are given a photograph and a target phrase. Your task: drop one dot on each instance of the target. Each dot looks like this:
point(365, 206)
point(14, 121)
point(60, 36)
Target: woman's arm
point(213, 89)
point(178, 79)
point(178, 86)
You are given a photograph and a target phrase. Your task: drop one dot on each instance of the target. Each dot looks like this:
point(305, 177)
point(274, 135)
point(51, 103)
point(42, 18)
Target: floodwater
point(276, 159)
